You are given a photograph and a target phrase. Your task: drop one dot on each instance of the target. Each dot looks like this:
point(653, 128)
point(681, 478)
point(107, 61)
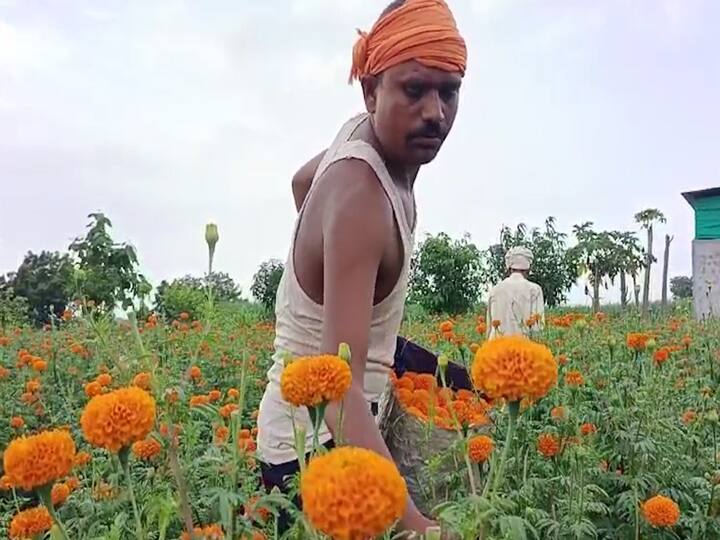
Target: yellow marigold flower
point(147, 449)
point(38, 460)
point(313, 380)
point(352, 493)
point(142, 380)
point(104, 379)
point(30, 523)
point(211, 532)
point(513, 368)
point(117, 419)
point(480, 447)
point(574, 378)
point(59, 494)
point(660, 511)
point(548, 445)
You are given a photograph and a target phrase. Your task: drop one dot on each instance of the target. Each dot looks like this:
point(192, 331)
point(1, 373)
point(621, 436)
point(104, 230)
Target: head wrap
point(421, 30)
point(518, 258)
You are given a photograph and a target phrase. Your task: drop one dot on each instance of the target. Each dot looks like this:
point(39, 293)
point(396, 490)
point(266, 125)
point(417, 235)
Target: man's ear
point(370, 84)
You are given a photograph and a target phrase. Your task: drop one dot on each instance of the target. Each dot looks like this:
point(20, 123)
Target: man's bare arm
point(355, 231)
point(302, 180)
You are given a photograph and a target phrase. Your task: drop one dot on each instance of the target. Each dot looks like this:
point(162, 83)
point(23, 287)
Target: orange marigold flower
point(446, 327)
point(30, 523)
point(588, 428)
point(558, 413)
point(197, 401)
point(72, 483)
point(146, 449)
point(574, 378)
point(233, 393)
point(689, 417)
point(82, 459)
point(38, 460)
point(661, 511)
point(221, 434)
point(464, 395)
point(59, 494)
point(637, 341)
point(514, 367)
point(253, 511)
point(117, 419)
point(480, 447)
point(496, 324)
point(247, 445)
point(210, 532)
point(4, 373)
point(93, 389)
point(661, 355)
point(227, 409)
point(352, 493)
point(17, 422)
point(562, 359)
point(142, 380)
point(425, 381)
point(39, 365)
point(104, 379)
point(5, 483)
point(405, 382)
point(548, 445)
point(214, 395)
point(313, 380)
point(195, 373)
point(32, 386)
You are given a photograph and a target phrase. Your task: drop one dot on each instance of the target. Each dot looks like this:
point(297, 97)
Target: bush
point(447, 275)
point(681, 287)
point(265, 284)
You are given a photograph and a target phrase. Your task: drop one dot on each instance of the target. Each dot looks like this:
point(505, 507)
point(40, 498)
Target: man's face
point(413, 109)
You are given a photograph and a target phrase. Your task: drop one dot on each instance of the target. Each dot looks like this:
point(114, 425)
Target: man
point(516, 305)
point(347, 271)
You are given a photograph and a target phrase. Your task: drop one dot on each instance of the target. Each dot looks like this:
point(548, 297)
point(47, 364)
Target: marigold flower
point(562, 359)
point(227, 409)
point(72, 483)
point(233, 393)
point(480, 447)
point(637, 341)
point(214, 395)
point(661, 511)
point(93, 389)
point(32, 386)
point(352, 493)
point(197, 401)
point(5, 483)
point(221, 434)
point(39, 365)
point(446, 327)
point(253, 511)
point(210, 532)
point(687, 341)
point(59, 494)
point(35, 461)
point(661, 355)
point(558, 413)
point(514, 367)
point(312, 380)
point(146, 449)
point(17, 422)
point(195, 373)
point(30, 523)
point(574, 378)
point(82, 459)
point(588, 428)
point(4, 373)
point(246, 445)
point(689, 417)
point(117, 419)
point(548, 445)
point(104, 379)
point(425, 381)
point(142, 380)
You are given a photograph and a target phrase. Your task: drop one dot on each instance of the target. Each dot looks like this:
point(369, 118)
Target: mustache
point(428, 130)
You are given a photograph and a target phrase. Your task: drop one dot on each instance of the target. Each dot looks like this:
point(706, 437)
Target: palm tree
point(647, 219)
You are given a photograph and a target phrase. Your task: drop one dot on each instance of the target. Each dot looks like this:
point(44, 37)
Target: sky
point(167, 114)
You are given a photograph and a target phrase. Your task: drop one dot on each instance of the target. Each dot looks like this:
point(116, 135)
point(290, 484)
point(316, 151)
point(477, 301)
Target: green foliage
point(447, 275)
point(265, 283)
point(107, 271)
point(554, 267)
point(681, 287)
point(44, 280)
point(189, 294)
point(13, 309)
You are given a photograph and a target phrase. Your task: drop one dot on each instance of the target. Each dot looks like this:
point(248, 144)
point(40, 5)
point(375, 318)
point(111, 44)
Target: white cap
point(518, 258)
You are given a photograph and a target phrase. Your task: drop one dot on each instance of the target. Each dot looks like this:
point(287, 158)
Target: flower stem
point(124, 456)
point(496, 473)
point(44, 493)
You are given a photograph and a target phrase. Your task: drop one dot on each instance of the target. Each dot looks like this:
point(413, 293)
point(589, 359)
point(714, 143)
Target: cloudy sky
point(165, 114)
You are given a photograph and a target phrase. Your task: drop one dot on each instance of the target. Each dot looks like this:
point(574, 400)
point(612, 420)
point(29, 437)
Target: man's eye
point(448, 94)
point(413, 91)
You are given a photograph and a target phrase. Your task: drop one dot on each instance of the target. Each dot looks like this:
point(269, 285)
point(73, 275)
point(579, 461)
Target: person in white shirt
point(516, 303)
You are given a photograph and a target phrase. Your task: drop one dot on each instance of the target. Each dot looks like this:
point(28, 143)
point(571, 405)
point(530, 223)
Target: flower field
point(605, 428)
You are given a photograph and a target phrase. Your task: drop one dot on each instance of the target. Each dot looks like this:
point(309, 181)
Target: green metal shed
point(706, 204)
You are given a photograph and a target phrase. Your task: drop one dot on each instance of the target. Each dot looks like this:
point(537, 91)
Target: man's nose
point(433, 108)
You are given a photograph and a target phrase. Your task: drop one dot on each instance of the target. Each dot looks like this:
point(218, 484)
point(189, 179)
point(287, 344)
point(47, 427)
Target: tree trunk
point(636, 290)
point(666, 261)
point(623, 290)
point(596, 294)
point(648, 263)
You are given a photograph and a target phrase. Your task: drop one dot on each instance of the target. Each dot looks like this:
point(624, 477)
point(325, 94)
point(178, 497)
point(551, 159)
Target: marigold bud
point(211, 235)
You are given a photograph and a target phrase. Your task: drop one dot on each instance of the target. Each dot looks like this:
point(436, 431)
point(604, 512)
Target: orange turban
point(421, 30)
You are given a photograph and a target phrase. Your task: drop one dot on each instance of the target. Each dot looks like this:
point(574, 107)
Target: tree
point(107, 271)
point(629, 259)
point(666, 262)
point(189, 294)
point(265, 283)
point(598, 255)
point(446, 275)
point(14, 309)
point(646, 219)
point(553, 268)
point(44, 280)
point(681, 287)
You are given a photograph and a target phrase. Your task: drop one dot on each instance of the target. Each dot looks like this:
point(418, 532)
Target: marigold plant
point(514, 367)
point(661, 511)
point(30, 523)
point(146, 449)
point(117, 419)
point(312, 380)
point(548, 445)
point(352, 493)
point(480, 447)
point(36, 461)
